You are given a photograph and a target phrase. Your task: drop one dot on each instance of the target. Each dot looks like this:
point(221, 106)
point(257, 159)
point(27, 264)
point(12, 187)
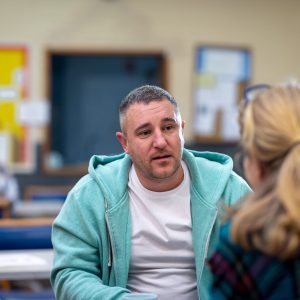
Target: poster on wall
point(220, 75)
point(16, 151)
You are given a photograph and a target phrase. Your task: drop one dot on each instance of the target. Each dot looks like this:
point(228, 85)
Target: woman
point(258, 254)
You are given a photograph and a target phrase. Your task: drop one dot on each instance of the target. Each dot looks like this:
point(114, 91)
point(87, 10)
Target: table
point(26, 264)
point(30, 209)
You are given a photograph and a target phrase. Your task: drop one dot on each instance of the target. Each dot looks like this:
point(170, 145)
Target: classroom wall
point(270, 28)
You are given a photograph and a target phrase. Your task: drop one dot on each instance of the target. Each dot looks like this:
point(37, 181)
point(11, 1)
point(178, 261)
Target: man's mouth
point(161, 157)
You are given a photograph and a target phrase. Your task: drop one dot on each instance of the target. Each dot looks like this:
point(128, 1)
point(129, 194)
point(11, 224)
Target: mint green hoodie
point(91, 235)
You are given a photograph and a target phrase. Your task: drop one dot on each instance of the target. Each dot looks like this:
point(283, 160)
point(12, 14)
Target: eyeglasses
point(253, 90)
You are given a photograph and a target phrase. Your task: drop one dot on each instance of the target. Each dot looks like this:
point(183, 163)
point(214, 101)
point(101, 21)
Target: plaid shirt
point(252, 275)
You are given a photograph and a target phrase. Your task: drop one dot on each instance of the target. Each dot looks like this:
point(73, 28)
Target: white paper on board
point(230, 127)
point(205, 111)
point(208, 101)
point(34, 113)
point(5, 148)
point(224, 62)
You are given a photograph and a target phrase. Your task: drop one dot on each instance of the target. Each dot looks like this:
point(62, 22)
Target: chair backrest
point(32, 233)
point(47, 294)
point(46, 192)
point(5, 207)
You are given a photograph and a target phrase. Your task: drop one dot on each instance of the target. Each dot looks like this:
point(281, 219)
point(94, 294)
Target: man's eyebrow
point(146, 125)
point(143, 126)
point(169, 120)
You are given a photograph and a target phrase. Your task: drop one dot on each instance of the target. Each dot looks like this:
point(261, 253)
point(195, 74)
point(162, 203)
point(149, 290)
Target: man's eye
point(144, 133)
point(169, 128)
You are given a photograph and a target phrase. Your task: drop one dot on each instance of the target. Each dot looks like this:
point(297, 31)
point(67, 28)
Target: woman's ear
point(255, 171)
point(263, 172)
point(122, 140)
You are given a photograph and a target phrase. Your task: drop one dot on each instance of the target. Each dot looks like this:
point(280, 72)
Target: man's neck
point(164, 184)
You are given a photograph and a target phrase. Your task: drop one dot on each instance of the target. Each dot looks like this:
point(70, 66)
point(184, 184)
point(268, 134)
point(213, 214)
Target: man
point(145, 220)
point(9, 188)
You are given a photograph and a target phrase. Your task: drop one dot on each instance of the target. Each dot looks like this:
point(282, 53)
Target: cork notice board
point(220, 75)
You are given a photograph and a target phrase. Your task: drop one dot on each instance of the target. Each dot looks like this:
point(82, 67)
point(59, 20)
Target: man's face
point(153, 137)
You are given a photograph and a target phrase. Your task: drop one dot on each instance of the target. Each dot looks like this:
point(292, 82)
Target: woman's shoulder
point(226, 249)
point(225, 240)
point(232, 251)
point(237, 269)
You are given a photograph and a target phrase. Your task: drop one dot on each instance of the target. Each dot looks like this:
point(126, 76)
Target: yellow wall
point(270, 28)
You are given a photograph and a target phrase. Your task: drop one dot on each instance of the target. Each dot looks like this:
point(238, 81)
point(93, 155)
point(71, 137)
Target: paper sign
point(228, 63)
point(230, 128)
point(221, 97)
point(205, 114)
point(5, 149)
point(34, 113)
point(205, 80)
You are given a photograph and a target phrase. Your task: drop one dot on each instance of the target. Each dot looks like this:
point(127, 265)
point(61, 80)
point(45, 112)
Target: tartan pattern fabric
point(251, 275)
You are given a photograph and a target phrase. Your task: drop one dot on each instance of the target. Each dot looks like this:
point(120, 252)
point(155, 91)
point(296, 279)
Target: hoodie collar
point(209, 172)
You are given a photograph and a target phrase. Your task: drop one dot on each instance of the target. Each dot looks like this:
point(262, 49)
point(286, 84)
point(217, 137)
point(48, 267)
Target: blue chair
point(46, 192)
point(19, 234)
point(32, 233)
point(47, 294)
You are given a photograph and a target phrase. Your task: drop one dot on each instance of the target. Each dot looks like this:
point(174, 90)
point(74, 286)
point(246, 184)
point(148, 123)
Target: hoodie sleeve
point(81, 248)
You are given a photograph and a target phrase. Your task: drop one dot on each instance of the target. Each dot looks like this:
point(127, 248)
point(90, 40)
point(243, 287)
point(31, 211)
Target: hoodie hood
point(111, 175)
point(208, 170)
point(210, 173)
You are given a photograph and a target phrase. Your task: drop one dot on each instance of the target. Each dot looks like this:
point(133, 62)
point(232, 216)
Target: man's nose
point(159, 140)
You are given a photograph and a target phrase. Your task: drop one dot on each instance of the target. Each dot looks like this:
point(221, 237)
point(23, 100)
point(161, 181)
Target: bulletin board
point(15, 137)
point(220, 75)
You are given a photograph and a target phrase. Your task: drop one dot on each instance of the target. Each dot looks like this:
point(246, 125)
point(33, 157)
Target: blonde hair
point(269, 219)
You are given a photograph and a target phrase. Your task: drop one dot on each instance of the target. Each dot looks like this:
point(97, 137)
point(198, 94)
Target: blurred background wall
point(270, 28)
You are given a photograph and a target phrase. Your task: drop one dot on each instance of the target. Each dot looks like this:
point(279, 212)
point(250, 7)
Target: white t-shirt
point(162, 256)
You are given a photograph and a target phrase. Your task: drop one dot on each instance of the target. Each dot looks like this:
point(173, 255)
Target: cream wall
point(270, 28)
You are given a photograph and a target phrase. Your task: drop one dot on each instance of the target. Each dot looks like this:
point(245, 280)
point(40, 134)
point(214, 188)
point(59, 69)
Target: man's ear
point(182, 124)
point(122, 140)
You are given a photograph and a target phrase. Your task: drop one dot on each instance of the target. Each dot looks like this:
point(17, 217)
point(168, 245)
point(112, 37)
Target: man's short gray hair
point(144, 94)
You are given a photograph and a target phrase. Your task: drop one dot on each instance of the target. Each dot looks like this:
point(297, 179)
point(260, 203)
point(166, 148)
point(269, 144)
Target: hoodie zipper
point(111, 254)
point(209, 234)
point(206, 249)
point(208, 238)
